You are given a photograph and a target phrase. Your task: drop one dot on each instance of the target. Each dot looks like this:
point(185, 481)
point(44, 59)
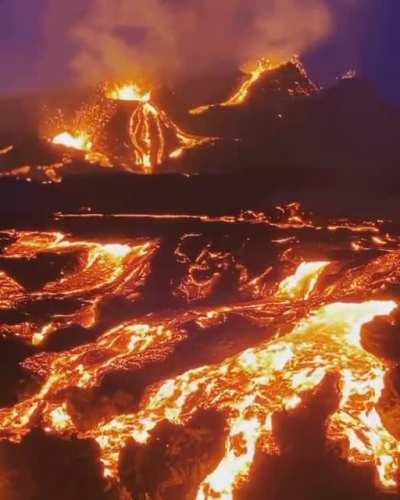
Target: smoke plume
point(168, 39)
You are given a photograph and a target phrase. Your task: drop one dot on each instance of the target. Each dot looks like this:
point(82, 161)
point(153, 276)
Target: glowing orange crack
point(109, 268)
point(253, 74)
point(155, 137)
point(133, 343)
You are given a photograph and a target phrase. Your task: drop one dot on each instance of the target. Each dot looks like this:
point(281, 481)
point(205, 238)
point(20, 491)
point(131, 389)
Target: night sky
point(380, 56)
point(368, 41)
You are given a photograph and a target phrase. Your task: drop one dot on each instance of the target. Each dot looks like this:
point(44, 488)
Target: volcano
point(121, 128)
point(274, 118)
point(172, 324)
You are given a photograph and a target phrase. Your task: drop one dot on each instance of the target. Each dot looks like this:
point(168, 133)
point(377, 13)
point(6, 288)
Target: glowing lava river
point(187, 353)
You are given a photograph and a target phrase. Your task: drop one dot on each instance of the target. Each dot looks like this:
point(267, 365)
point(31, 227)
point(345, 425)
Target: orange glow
point(103, 270)
point(309, 326)
point(289, 217)
point(239, 97)
point(6, 150)
point(242, 388)
point(79, 140)
point(128, 92)
point(117, 250)
point(303, 281)
point(262, 66)
point(155, 137)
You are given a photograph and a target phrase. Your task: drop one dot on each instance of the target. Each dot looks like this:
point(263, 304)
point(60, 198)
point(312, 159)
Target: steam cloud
point(171, 38)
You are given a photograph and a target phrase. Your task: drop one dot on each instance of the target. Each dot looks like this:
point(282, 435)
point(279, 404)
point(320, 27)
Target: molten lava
point(254, 74)
point(103, 270)
point(80, 141)
point(303, 280)
point(301, 84)
point(309, 312)
point(251, 387)
point(128, 92)
point(239, 97)
point(155, 137)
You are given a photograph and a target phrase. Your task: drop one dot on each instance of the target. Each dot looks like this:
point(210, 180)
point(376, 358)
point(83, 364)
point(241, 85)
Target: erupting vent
point(80, 141)
point(122, 127)
point(154, 137)
point(128, 92)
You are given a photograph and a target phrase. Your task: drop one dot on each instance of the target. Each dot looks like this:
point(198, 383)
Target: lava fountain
point(80, 141)
point(128, 92)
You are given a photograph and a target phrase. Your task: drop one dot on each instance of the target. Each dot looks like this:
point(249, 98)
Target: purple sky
point(371, 42)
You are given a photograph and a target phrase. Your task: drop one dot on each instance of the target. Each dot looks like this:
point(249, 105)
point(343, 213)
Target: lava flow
point(252, 75)
point(304, 318)
point(122, 127)
point(153, 135)
point(80, 141)
point(262, 66)
point(102, 270)
point(251, 387)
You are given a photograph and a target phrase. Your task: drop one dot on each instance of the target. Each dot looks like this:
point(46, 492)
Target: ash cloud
point(171, 39)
